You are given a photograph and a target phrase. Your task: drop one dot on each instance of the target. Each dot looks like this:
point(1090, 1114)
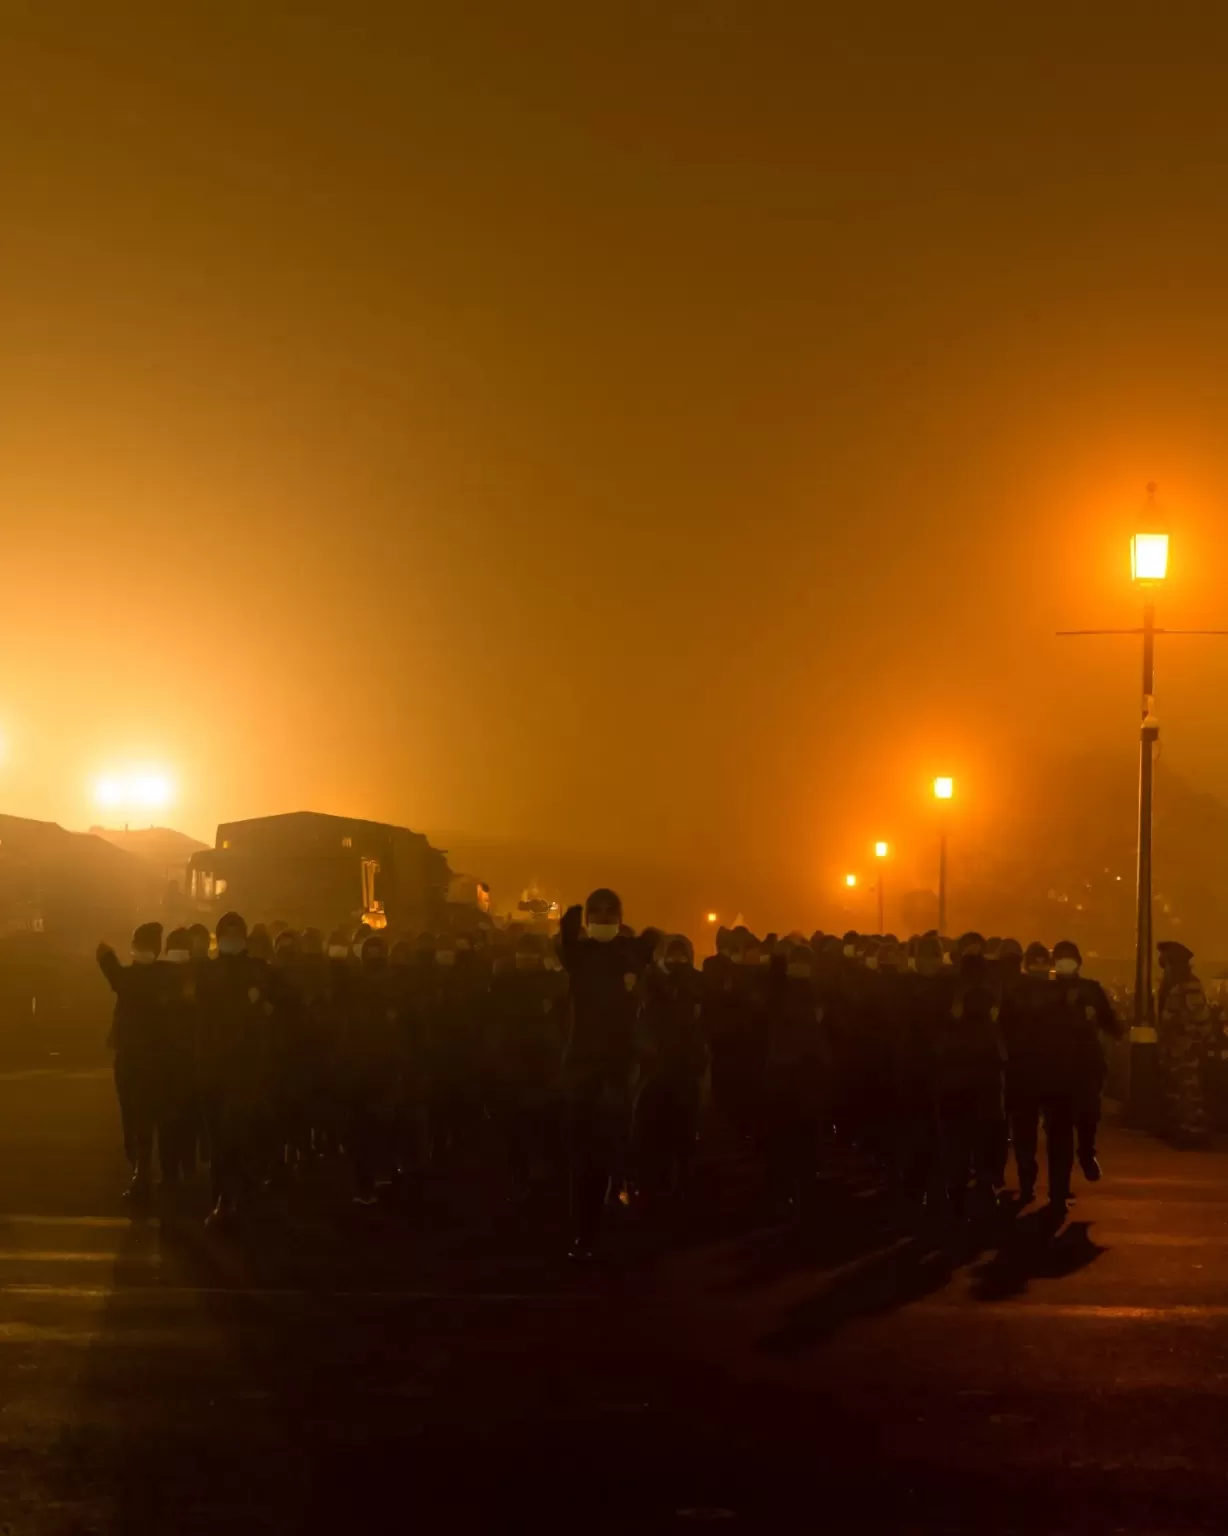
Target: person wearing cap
point(969, 1076)
point(717, 976)
point(604, 966)
point(745, 1052)
point(526, 1033)
point(1025, 1006)
point(373, 1068)
point(1186, 1041)
point(177, 1122)
point(673, 1060)
point(1070, 1067)
point(232, 1050)
point(1006, 958)
point(796, 1080)
point(1090, 1015)
point(138, 1036)
point(929, 1000)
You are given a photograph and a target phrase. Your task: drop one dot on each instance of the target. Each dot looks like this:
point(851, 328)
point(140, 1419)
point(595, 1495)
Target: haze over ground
point(671, 431)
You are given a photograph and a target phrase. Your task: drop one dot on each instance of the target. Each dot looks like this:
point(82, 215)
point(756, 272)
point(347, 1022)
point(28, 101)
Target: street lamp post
point(1148, 568)
point(944, 792)
point(881, 851)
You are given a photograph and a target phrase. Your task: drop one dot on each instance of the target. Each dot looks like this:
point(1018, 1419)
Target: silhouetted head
point(677, 956)
point(286, 947)
point(1066, 958)
point(374, 952)
point(800, 963)
point(178, 946)
point(603, 915)
point(929, 955)
point(231, 934)
point(198, 941)
point(1175, 958)
point(1037, 960)
point(146, 943)
point(259, 944)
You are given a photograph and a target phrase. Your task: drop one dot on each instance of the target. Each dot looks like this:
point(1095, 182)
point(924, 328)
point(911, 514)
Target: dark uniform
point(231, 1067)
point(527, 1033)
point(600, 1062)
point(1187, 1044)
point(673, 1060)
point(1026, 1004)
point(138, 1036)
point(178, 1120)
point(374, 1064)
point(795, 1076)
point(929, 997)
point(969, 1084)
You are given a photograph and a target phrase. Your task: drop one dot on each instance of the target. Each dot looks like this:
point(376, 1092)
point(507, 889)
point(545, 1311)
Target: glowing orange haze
point(615, 441)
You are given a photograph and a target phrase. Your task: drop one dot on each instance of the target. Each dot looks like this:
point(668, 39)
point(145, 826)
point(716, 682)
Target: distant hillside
point(71, 888)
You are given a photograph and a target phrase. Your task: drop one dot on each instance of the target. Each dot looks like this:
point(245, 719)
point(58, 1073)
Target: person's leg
point(588, 1172)
point(1087, 1123)
point(1025, 1133)
point(1059, 1145)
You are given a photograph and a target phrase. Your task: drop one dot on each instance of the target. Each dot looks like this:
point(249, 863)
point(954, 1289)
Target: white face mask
point(871, 962)
point(765, 959)
point(1066, 966)
point(179, 956)
point(849, 951)
point(800, 972)
point(603, 933)
point(445, 957)
point(231, 946)
point(143, 957)
point(338, 951)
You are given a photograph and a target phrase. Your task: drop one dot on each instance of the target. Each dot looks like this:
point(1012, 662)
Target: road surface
point(323, 1372)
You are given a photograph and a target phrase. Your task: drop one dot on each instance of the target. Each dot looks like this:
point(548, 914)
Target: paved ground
point(837, 1374)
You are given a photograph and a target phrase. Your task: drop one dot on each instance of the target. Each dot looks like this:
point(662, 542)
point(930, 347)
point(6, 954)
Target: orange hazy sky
point(666, 428)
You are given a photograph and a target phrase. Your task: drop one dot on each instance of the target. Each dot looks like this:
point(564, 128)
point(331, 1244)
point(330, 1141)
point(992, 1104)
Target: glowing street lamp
point(850, 881)
point(944, 793)
point(881, 850)
point(1148, 570)
point(712, 916)
point(1148, 558)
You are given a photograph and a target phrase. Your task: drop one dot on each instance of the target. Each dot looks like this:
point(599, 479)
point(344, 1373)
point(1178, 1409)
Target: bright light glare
point(145, 790)
point(1149, 557)
point(944, 789)
point(711, 917)
point(151, 789)
point(850, 881)
point(880, 850)
point(109, 792)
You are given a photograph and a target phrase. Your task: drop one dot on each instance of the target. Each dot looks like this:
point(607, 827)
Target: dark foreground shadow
point(1035, 1249)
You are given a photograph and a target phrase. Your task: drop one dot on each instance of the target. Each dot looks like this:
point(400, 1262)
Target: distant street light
point(944, 792)
point(1148, 568)
point(850, 881)
point(881, 851)
point(712, 916)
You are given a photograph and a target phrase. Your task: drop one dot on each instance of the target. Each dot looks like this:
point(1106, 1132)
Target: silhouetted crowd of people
point(588, 1054)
